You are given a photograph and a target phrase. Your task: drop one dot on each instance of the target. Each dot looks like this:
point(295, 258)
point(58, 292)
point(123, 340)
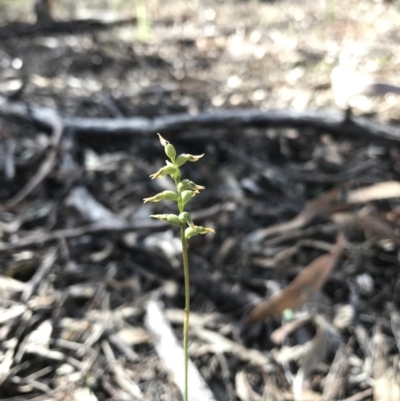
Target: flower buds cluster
point(186, 190)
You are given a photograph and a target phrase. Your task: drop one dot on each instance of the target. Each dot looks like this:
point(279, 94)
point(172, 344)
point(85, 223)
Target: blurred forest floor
point(296, 296)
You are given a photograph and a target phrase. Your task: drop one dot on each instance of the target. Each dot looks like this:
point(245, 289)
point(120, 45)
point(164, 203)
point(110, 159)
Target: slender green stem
point(187, 311)
point(187, 298)
point(186, 190)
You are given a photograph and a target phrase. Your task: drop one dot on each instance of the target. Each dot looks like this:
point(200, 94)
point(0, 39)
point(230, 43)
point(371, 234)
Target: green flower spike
point(186, 190)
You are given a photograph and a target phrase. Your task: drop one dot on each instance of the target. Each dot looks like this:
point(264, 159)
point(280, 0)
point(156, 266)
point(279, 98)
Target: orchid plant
point(185, 191)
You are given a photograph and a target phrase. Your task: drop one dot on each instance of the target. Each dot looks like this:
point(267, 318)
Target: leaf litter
point(81, 264)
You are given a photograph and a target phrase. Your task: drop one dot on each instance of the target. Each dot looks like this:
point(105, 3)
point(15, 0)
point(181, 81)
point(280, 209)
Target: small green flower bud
point(187, 184)
point(163, 171)
point(174, 219)
point(170, 151)
point(195, 230)
point(163, 141)
point(190, 232)
point(192, 158)
point(167, 195)
point(180, 160)
point(186, 196)
point(156, 198)
point(162, 217)
point(170, 195)
point(170, 218)
point(204, 230)
point(184, 217)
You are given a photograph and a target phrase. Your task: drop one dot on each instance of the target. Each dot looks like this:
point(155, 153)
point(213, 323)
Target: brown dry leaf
point(320, 205)
point(307, 282)
point(383, 190)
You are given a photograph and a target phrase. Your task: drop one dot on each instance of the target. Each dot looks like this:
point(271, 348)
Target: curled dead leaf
point(307, 282)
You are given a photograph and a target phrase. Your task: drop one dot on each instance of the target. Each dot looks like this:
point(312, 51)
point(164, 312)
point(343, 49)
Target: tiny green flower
point(170, 152)
point(174, 219)
point(171, 170)
point(182, 159)
point(185, 217)
point(167, 195)
point(192, 231)
point(170, 218)
point(187, 184)
point(170, 195)
point(204, 230)
point(156, 198)
point(192, 158)
point(187, 195)
point(163, 141)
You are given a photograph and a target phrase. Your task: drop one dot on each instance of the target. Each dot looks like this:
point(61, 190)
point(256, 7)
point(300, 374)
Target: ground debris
point(296, 297)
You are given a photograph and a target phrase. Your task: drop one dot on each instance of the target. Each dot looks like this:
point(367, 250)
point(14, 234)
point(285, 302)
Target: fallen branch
point(323, 121)
point(72, 27)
